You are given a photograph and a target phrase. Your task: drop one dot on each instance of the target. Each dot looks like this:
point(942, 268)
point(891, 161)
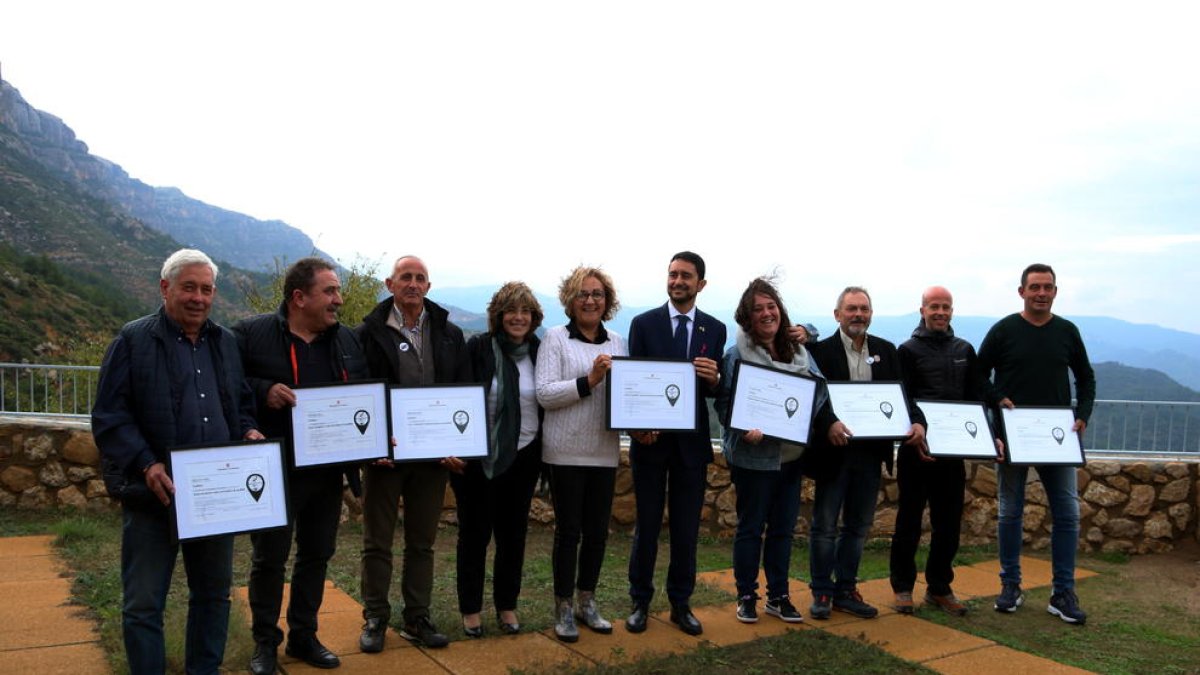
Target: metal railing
point(1116, 427)
point(40, 389)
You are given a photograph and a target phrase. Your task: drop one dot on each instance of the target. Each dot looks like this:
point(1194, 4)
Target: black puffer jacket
point(450, 362)
point(939, 366)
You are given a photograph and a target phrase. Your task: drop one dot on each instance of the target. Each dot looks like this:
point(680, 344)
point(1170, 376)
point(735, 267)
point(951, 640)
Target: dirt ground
point(1173, 576)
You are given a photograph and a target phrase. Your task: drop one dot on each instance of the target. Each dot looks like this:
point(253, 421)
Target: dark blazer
point(652, 335)
point(830, 356)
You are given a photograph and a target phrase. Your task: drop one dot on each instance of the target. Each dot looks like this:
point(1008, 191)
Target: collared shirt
point(574, 334)
point(675, 314)
point(413, 334)
point(859, 362)
point(200, 416)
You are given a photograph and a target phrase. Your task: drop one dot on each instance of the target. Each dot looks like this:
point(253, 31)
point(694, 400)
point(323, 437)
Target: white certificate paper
point(651, 395)
point(871, 409)
point(228, 489)
point(439, 421)
point(336, 423)
point(1041, 436)
point(957, 429)
point(776, 402)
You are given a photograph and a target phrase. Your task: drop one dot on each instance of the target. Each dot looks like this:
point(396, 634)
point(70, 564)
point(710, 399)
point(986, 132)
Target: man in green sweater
point(1031, 353)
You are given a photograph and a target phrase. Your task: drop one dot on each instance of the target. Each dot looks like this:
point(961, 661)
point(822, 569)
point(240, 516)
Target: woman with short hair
point(582, 455)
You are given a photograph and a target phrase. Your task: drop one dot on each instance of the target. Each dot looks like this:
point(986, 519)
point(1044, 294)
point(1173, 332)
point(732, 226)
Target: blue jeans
point(147, 561)
point(1063, 495)
point(770, 501)
point(833, 562)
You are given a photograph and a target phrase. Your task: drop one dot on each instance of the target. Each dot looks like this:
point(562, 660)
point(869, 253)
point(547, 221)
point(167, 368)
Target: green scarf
point(506, 429)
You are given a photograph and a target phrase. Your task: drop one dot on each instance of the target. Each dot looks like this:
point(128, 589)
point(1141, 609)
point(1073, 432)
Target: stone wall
point(1130, 507)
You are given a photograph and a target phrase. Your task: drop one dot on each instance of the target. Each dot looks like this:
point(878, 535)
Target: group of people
point(175, 378)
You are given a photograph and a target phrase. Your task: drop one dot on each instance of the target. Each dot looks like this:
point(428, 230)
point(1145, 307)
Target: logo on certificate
point(971, 428)
point(255, 485)
point(362, 420)
point(672, 392)
point(1058, 434)
point(461, 420)
point(886, 408)
point(791, 405)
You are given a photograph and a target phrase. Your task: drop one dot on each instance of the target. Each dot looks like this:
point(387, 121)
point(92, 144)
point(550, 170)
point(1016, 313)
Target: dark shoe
point(1065, 606)
point(681, 615)
point(746, 610)
point(636, 623)
point(783, 609)
point(313, 653)
point(423, 633)
point(904, 602)
point(1010, 597)
point(947, 603)
point(263, 661)
point(371, 640)
point(821, 607)
point(852, 604)
point(507, 628)
point(473, 632)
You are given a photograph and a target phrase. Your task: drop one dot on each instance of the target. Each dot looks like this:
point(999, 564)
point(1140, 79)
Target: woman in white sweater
point(581, 453)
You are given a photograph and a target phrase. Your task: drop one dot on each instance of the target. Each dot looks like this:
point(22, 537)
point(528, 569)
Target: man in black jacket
point(408, 340)
point(170, 378)
point(847, 471)
point(941, 367)
point(302, 343)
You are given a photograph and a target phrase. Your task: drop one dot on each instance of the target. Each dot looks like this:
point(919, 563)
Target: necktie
point(681, 337)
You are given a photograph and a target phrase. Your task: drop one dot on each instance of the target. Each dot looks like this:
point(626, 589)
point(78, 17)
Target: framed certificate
point(342, 422)
point(1041, 436)
point(228, 489)
point(436, 422)
point(871, 409)
point(776, 402)
point(957, 429)
point(651, 395)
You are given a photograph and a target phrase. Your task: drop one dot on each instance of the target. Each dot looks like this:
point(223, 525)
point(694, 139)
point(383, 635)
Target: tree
point(361, 288)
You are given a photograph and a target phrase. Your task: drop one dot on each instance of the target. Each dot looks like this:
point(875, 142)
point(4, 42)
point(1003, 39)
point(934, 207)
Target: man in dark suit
point(670, 468)
point(847, 471)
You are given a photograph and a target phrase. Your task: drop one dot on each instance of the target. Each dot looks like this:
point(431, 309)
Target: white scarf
point(755, 353)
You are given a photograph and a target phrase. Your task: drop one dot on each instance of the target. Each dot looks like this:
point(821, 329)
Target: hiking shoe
point(1065, 606)
point(782, 608)
point(422, 632)
point(904, 603)
point(947, 603)
point(747, 612)
point(820, 607)
point(1010, 597)
point(852, 604)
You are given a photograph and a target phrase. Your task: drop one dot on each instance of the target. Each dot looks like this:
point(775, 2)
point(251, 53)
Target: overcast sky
point(894, 145)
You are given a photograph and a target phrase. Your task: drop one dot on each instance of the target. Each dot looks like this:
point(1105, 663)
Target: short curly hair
point(573, 282)
point(511, 297)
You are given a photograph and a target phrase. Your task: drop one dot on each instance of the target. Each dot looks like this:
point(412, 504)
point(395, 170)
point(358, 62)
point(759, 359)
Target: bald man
point(936, 366)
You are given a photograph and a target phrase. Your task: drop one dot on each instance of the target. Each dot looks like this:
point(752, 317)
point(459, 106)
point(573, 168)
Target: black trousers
point(940, 485)
point(663, 478)
point(499, 508)
point(315, 497)
point(582, 506)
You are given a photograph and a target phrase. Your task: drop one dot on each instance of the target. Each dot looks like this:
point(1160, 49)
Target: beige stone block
point(1085, 511)
point(1082, 478)
point(1141, 498)
point(1104, 468)
point(1155, 546)
point(95, 488)
point(985, 481)
point(1094, 535)
point(80, 448)
point(1158, 527)
point(1040, 543)
point(1175, 491)
point(1176, 469)
point(52, 475)
point(38, 447)
point(1122, 528)
point(1181, 514)
point(891, 492)
point(1036, 494)
point(71, 497)
point(1119, 482)
point(79, 474)
point(34, 498)
point(1033, 517)
point(623, 482)
point(624, 509)
point(718, 477)
point(1139, 470)
point(1103, 495)
point(885, 521)
point(1118, 546)
point(1100, 518)
point(727, 500)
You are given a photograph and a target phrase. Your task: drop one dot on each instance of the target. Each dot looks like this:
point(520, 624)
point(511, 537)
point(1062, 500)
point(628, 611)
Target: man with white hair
point(170, 378)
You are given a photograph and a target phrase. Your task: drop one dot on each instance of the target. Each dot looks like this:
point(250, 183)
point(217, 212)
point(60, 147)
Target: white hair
point(186, 257)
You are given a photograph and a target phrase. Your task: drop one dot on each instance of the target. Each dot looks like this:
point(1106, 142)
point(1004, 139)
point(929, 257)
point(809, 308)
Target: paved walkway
point(40, 632)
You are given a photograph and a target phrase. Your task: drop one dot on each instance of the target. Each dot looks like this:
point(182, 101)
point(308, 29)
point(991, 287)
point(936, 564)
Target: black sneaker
point(746, 610)
point(1065, 606)
point(422, 632)
point(782, 608)
point(852, 604)
point(820, 607)
point(1010, 597)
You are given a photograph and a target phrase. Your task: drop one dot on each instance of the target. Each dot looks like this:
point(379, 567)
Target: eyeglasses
point(583, 296)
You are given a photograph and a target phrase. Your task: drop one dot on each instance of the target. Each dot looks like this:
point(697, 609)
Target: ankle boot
point(564, 620)
point(589, 615)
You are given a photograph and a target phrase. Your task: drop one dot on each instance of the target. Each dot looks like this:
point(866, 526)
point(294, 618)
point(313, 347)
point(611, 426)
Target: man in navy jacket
point(673, 466)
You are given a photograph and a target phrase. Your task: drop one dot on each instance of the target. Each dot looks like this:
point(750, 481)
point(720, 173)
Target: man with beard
point(672, 466)
point(846, 471)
